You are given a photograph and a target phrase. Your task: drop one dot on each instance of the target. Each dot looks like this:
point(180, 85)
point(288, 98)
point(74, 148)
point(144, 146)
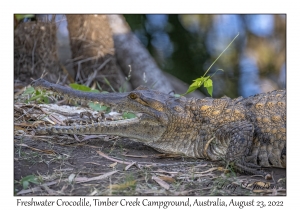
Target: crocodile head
point(158, 114)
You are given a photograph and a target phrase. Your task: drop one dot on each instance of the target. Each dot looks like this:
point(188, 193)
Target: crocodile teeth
point(54, 130)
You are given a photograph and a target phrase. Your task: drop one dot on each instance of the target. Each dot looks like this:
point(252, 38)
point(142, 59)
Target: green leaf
point(209, 90)
point(208, 83)
point(38, 96)
point(128, 115)
point(191, 89)
point(45, 99)
point(97, 107)
point(30, 178)
point(196, 84)
point(206, 80)
point(84, 88)
point(29, 90)
point(25, 185)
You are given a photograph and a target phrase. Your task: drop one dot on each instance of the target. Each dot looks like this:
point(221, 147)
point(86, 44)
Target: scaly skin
point(250, 132)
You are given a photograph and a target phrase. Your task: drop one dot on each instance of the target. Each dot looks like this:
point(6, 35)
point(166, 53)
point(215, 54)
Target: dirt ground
point(108, 165)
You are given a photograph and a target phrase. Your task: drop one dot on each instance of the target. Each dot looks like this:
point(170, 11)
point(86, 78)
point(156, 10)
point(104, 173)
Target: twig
point(26, 112)
point(209, 170)
point(50, 152)
point(79, 66)
point(112, 159)
point(90, 79)
point(85, 179)
point(127, 167)
point(36, 189)
point(167, 164)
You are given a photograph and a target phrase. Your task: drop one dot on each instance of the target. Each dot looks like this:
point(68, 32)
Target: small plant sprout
point(206, 80)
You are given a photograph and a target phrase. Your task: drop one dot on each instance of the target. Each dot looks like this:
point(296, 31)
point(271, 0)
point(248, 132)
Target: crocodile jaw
point(117, 101)
point(142, 128)
point(149, 126)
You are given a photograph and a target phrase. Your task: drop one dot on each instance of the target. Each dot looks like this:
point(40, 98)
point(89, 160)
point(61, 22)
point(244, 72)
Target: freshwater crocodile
point(248, 132)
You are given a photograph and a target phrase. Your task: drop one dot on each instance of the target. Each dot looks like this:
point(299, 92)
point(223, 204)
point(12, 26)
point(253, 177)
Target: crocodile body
point(249, 132)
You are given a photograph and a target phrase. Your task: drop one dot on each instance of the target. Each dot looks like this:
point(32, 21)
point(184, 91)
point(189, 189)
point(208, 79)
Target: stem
point(221, 54)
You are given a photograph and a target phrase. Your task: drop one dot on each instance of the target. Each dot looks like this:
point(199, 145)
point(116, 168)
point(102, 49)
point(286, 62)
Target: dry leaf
point(49, 191)
point(19, 92)
point(122, 186)
point(200, 165)
point(167, 179)
point(85, 179)
point(17, 128)
point(161, 182)
point(35, 149)
point(24, 124)
point(94, 192)
point(128, 166)
point(94, 163)
point(136, 156)
point(76, 137)
point(196, 176)
point(71, 178)
point(260, 184)
point(55, 119)
point(88, 137)
point(113, 164)
point(172, 173)
point(37, 123)
point(209, 170)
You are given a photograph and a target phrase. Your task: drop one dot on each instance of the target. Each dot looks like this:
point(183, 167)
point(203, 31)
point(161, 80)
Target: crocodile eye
point(132, 96)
